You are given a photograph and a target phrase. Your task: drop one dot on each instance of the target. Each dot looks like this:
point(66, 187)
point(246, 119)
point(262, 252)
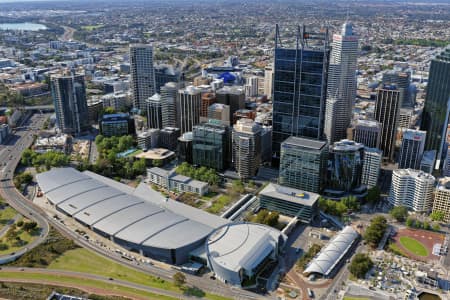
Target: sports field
point(418, 244)
point(413, 246)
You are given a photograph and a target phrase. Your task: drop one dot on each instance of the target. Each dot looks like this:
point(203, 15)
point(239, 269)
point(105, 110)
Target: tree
point(375, 231)
point(179, 279)
point(238, 186)
point(351, 203)
point(436, 227)
point(437, 216)
point(400, 213)
point(360, 265)
point(373, 195)
point(410, 222)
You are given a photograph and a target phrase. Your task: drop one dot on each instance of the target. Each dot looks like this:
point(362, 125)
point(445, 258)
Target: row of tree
point(265, 217)
point(375, 231)
point(48, 159)
point(202, 173)
point(339, 208)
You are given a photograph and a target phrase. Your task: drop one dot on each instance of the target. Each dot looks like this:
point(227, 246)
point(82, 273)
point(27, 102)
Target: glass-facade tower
point(299, 88)
point(436, 110)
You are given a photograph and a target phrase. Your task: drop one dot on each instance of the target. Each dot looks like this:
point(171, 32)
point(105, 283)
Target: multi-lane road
point(10, 156)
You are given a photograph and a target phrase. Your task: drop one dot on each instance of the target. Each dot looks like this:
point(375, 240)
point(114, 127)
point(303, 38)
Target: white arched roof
point(332, 254)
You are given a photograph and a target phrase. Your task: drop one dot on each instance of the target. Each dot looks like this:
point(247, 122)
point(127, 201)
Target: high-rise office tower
point(207, 100)
point(268, 81)
point(232, 96)
point(168, 104)
point(69, 98)
point(303, 164)
point(371, 167)
point(188, 107)
point(211, 145)
point(345, 165)
point(387, 108)
point(246, 139)
point(411, 151)
point(168, 137)
point(436, 109)
point(219, 111)
point(341, 87)
point(428, 161)
point(142, 74)
point(165, 74)
point(367, 132)
point(184, 149)
point(402, 81)
point(405, 118)
point(413, 189)
point(299, 88)
point(154, 115)
point(251, 87)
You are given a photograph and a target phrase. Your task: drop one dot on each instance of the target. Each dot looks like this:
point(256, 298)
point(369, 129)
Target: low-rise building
point(117, 125)
point(148, 139)
point(289, 201)
point(170, 180)
point(157, 156)
point(59, 143)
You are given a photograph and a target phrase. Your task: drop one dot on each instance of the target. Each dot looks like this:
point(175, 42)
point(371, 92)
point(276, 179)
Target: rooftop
point(304, 143)
point(290, 194)
point(157, 153)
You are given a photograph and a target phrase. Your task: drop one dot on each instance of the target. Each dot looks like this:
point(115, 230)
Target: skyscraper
point(387, 108)
point(303, 164)
point(246, 139)
point(411, 151)
point(413, 189)
point(188, 107)
point(268, 80)
point(251, 87)
point(345, 165)
point(367, 132)
point(154, 115)
point(402, 81)
point(211, 145)
point(371, 167)
point(168, 104)
point(142, 74)
point(69, 98)
point(436, 110)
point(233, 96)
point(299, 88)
point(341, 87)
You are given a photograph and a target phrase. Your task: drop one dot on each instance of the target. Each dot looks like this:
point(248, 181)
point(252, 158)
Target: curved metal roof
point(241, 245)
point(332, 254)
point(140, 216)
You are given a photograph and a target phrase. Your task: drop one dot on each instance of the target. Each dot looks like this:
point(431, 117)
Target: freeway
point(10, 155)
point(9, 158)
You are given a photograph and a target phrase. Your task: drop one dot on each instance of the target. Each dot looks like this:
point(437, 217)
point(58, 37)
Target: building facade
point(211, 145)
point(413, 189)
point(268, 81)
point(303, 164)
point(437, 104)
point(299, 97)
point(442, 198)
point(371, 167)
point(188, 107)
point(411, 150)
point(387, 108)
point(341, 87)
point(154, 111)
point(367, 132)
point(246, 139)
point(168, 138)
point(168, 104)
point(142, 74)
point(69, 98)
point(345, 165)
point(117, 125)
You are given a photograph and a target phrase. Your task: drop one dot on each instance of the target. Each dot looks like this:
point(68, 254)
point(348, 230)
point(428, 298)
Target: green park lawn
point(92, 27)
point(413, 246)
point(6, 214)
point(25, 236)
point(70, 280)
point(219, 203)
point(85, 261)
